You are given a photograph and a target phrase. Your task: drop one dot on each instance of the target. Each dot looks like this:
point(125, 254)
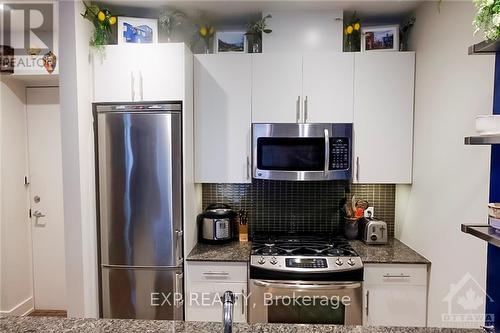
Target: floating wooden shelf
point(485, 47)
point(484, 232)
point(482, 140)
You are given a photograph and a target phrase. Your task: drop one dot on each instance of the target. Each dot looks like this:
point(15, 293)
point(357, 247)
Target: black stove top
point(301, 245)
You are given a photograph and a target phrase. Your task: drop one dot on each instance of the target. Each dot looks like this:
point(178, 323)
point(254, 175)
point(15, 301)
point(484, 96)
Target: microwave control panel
point(339, 153)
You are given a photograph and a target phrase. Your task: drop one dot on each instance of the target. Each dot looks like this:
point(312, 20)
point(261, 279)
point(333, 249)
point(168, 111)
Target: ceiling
point(236, 9)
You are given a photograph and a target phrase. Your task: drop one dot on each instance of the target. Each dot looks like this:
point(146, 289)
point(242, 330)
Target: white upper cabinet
point(383, 117)
point(328, 87)
point(276, 88)
point(162, 71)
point(222, 107)
point(142, 72)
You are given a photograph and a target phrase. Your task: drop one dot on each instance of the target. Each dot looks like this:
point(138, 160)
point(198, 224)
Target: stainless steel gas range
point(314, 279)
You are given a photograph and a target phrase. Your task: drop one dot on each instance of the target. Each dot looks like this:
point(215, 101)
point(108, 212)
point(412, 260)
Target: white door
point(161, 72)
point(394, 305)
point(223, 111)
point(46, 198)
point(328, 87)
point(115, 74)
point(277, 88)
point(383, 117)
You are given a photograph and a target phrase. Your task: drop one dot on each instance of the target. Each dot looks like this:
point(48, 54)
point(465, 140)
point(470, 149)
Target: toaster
point(373, 231)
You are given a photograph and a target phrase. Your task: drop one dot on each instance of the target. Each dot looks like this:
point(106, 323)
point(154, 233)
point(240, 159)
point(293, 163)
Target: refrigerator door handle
point(179, 234)
point(178, 294)
point(137, 267)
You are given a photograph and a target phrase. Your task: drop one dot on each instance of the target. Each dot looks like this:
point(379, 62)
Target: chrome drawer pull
point(216, 273)
point(388, 276)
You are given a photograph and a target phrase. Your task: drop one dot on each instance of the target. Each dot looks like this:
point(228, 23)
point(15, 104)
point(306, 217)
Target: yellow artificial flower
point(112, 20)
point(101, 16)
point(203, 31)
point(349, 29)
point(357, 26)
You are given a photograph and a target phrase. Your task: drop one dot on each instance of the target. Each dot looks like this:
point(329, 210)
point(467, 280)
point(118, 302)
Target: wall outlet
point(370, 212)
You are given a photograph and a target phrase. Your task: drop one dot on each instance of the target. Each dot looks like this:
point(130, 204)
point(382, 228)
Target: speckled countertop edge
point(77, 325)
point(395, 252)
point(234, 251)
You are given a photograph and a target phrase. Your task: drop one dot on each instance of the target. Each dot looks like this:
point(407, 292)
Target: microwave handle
point(327, 150)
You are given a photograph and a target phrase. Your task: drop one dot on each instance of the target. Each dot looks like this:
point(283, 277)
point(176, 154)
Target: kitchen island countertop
point(395, 252)
point(77, 325)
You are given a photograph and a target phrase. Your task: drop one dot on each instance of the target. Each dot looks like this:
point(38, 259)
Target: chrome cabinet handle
point(298, 109)
point(248, 167)
point(401, 276)
point(305, 110)
point(357, 168)
point(211, 273)
point(140, 86)
point(242, 302)
point(327, 150)
point(38, 214)
point(132, 85)
point(367, 302)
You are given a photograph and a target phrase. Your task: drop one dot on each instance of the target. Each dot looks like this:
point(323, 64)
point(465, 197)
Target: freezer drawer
point(142, 293)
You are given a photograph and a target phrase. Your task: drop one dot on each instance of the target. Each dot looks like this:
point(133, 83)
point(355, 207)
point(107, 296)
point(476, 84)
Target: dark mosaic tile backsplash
point(283, 206)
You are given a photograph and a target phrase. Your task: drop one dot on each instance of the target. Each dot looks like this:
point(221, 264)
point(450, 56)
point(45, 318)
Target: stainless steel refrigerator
point(139, 180)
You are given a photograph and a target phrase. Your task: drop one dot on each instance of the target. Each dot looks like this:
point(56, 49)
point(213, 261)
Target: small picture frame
point(382, 38)
point(230, 42)
point(135, 30)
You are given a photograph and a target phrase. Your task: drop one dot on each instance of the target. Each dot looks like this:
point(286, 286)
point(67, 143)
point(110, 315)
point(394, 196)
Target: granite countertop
point(395, 252)
point(234, 251)
point(53, 325)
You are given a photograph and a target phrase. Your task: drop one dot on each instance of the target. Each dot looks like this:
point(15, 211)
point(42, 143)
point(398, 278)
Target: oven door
point(302, 151)
point(305, 302)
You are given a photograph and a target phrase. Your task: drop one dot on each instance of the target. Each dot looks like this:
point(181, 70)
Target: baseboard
point(21, 309)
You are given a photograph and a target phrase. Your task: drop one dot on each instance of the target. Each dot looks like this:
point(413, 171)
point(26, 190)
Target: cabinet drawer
point(395, 274)
point(217, 271)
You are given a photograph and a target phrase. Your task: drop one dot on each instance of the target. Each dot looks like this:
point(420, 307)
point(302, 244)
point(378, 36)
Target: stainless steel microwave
point(302, 151)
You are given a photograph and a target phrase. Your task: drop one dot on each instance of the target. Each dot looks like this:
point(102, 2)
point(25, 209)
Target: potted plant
point(352, 34)
point(102, 19)
point(488, 18)
point(254, 34)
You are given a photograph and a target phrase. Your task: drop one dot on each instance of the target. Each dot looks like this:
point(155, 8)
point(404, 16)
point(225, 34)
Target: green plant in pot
point(254, 34)
point(488, 18)
point(102, 19)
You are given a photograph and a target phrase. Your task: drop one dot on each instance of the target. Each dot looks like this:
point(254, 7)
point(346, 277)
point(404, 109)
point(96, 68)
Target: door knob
point(38, 214)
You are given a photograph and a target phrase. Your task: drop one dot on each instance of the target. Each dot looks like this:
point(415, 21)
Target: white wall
point(78, 161)
point(450, 180)
point(16, 279)
point(304, 31)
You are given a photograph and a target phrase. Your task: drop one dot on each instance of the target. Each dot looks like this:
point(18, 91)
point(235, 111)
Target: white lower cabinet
point(206, 282)
point(395, 295)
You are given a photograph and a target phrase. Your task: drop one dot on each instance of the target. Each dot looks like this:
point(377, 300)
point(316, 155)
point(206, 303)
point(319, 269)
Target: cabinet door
point(328, 87)
point(222, 108)
point(383, 116)
point(115, 75)
point(203, 301)
point(161, 72)
point(276, 88)
point(395, 305)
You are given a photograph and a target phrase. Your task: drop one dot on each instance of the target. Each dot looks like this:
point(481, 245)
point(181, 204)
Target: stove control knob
point(262, 261)
point(351, 262)
point(273, 261)
point(339, 262)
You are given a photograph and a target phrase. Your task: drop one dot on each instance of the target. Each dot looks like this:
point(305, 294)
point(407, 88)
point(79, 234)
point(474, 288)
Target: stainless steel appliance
point(312, 279)
point(373, 231)
point(302, 151)
point(217, 224)
point(139, 181)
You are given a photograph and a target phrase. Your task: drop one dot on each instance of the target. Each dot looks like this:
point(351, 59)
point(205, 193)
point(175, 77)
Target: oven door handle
point(327, 151)
point(312, 286)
